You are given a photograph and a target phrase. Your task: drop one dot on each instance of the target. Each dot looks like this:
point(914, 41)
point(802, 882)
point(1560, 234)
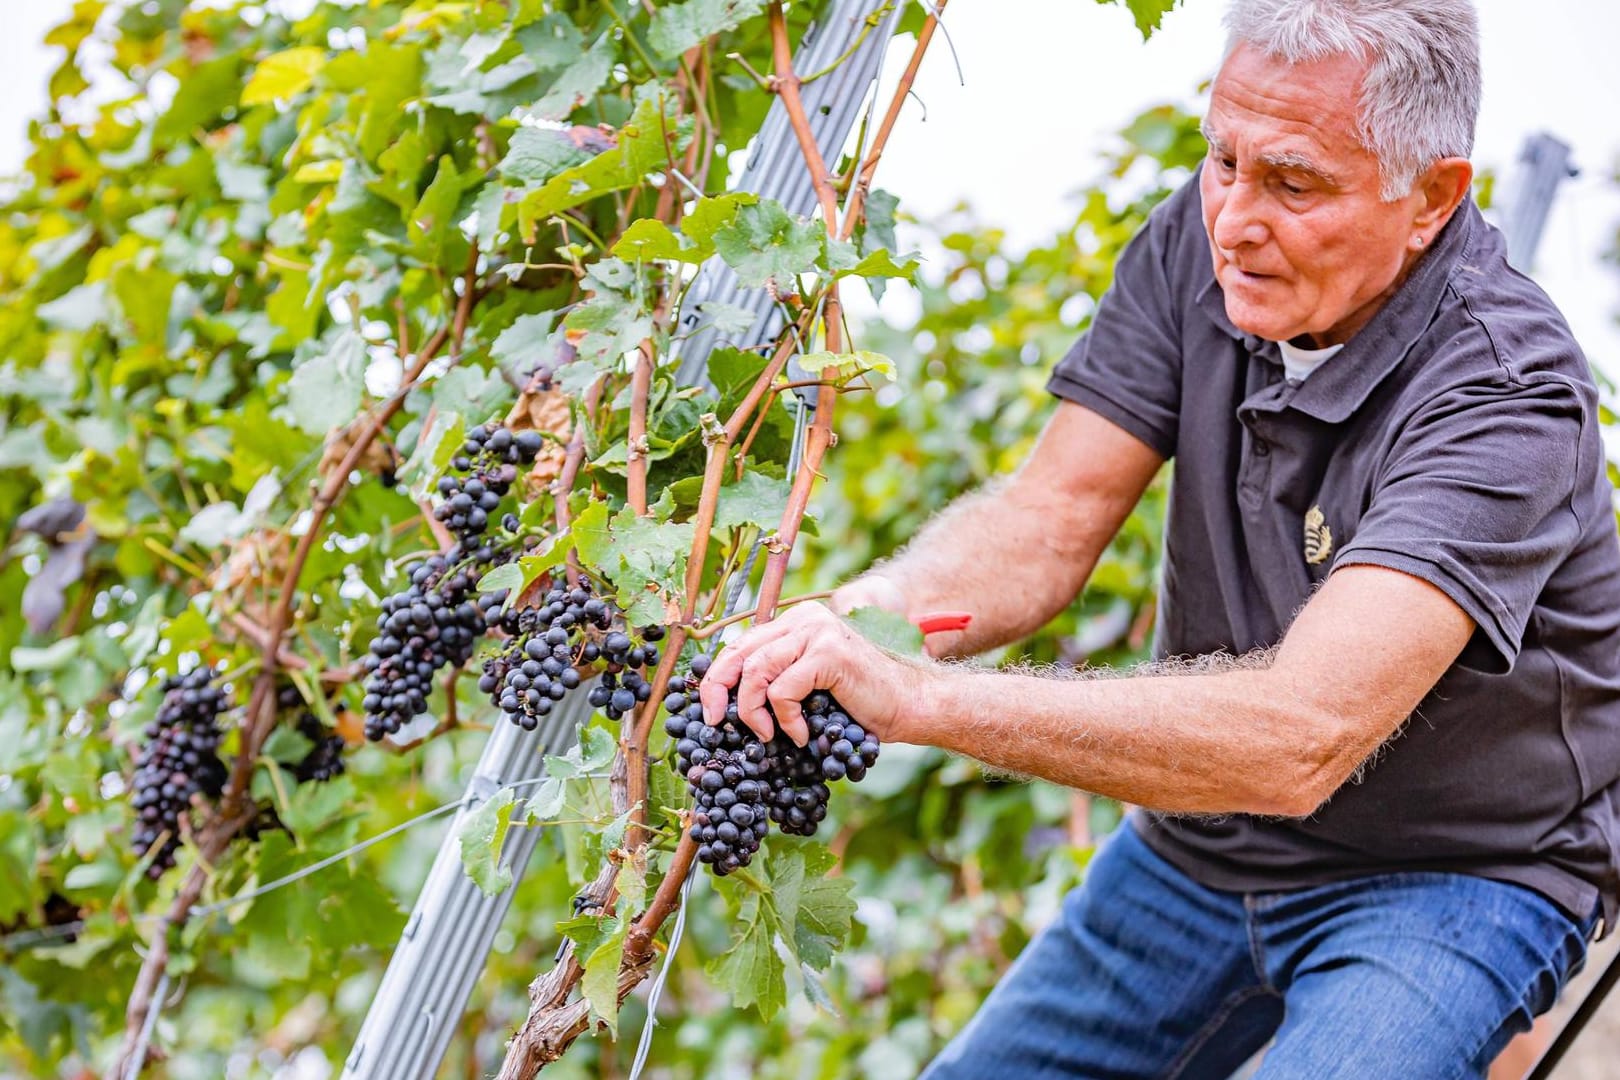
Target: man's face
point(1302, 243)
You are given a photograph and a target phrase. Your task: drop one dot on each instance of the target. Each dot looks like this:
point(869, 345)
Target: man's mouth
point(1249, 275)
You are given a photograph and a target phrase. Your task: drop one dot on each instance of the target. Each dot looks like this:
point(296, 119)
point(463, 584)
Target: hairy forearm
point(998, 554)
point(1218, 736)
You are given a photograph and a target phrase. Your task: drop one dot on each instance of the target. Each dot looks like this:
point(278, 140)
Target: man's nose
point(1239, 221)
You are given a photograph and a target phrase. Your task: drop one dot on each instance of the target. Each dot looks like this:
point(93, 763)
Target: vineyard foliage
point(281, 237)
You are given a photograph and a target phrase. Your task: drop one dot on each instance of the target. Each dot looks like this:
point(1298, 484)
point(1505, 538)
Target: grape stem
point(785, 82)
point(700, 634)
point(636, 453)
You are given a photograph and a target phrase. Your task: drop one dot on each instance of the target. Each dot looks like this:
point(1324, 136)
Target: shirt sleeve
point(1477, 498)
point(1127, 365)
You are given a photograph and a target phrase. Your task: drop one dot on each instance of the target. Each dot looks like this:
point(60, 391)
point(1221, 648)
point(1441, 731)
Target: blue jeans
point(1415, 976)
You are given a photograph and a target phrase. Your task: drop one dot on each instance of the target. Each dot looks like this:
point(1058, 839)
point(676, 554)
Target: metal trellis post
point(1544, 164)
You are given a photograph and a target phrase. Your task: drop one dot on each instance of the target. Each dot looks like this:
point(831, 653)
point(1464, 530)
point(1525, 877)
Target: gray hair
point(1420, 96)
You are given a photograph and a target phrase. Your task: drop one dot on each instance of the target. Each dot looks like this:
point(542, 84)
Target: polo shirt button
point(1261, 448)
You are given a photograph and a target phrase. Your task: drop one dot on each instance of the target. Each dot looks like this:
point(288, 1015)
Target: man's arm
point(1275, 736)
point(1016, 553)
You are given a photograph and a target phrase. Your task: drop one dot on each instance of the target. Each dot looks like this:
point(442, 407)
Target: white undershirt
point(1299, 363)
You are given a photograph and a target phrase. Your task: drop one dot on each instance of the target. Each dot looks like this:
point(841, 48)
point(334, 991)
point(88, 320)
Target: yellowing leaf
point(831, 365)
point(284, 75)
point(319, 172)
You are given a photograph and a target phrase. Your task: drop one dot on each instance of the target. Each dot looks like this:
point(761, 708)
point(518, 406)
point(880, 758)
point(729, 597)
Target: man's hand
point(809, 648)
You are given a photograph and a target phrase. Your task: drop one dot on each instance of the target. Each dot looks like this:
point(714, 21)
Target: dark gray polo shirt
point(1454, 438)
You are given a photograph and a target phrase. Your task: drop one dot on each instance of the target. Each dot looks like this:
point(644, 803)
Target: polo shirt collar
point(1338, 389)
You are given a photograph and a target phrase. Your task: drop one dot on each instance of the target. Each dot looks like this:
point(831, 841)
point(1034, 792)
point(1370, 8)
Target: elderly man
point(1380, 806)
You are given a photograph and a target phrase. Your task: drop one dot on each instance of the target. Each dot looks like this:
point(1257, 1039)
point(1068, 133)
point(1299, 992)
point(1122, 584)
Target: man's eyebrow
point(1296, 162)
point(1283, 159)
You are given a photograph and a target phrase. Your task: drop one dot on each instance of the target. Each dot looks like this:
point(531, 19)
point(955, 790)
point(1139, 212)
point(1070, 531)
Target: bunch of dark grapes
point(179, 760)
point(325, 758)
point(489, 460)
point(839, 749)
point(433, 623)
point(624, 680)
point(739, 784)
point(436, 621)
point(549, 645)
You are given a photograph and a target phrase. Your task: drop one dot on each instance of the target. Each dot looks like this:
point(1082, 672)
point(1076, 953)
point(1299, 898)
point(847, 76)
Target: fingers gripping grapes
point(771, 668)
point(740, 783)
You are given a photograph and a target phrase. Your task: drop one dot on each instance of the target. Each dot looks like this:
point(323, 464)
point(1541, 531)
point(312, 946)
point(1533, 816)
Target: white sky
point(1048, 80)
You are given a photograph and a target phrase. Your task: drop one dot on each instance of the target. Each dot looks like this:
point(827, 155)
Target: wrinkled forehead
point(1310, 108)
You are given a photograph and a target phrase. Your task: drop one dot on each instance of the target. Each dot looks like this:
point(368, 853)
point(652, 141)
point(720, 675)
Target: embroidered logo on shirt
point(1318, 537)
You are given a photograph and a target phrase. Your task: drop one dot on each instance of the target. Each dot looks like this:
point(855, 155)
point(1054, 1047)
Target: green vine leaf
point(750, 971)
point(537, 154)
point(599, 945)
point(881, 264)
point(887, 629)
point(509, 576)
point(678, 27)
point(650, 239)
point(482, 836)
point(591, 753)
point(813, 911)
point(712, 213)
point(727, 319)
point(1147, 13)
point(314, 807)
point(643, 557)
point(646, 143)
point(326, 390)
point(614, 319)
point(472, 391)
point(753, 500)
point(765, 244)
point(532, 340)
point(578, 82)
point(433, 222)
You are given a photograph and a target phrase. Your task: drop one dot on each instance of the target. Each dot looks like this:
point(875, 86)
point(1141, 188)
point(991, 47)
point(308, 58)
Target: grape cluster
point(839, 749)
point(549, 646)
point(325, 758)
point(178, 761)
point(740, 784)
point(624, 682)
point(437, 621)
point(433, 623)
point(490, 456)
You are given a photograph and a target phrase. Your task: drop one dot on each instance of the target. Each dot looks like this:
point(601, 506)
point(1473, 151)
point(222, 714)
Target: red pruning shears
point(939, 621)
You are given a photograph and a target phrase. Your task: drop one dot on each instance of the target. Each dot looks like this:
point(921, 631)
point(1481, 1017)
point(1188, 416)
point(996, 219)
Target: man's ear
point(1441, 187)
